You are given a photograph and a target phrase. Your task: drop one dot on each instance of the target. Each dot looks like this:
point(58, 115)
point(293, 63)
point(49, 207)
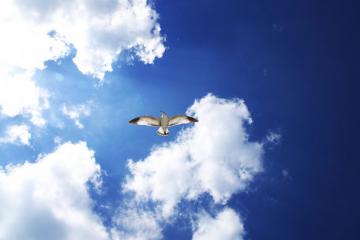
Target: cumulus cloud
point(226, 225)
point(76, 112)
point(38, 31)
point(34, 32)
point(17, 134)
point(215, 156)
point(49, 199)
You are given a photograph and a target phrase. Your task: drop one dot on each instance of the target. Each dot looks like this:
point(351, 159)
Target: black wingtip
point(134, 121)
point(191, 119)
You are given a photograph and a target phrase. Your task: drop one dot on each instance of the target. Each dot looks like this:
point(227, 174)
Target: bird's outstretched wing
point(181, 119)
point(146, 120)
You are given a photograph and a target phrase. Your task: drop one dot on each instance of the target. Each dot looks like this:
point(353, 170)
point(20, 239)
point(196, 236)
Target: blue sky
point(248, 70)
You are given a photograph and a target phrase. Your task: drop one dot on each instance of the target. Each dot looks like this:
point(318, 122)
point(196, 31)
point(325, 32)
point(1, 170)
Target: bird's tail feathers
point(163, 132)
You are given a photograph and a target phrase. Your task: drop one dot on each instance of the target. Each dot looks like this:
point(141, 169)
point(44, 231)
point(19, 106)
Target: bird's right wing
point(146, 120)
point(181, 119)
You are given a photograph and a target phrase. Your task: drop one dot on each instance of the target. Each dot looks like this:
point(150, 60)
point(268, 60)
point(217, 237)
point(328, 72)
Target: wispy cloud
point(17, 134)
point(273, 137)
point(76, 112)
point(133, 222)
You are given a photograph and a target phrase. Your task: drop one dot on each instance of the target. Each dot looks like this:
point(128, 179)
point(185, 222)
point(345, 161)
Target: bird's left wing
point(146, 120)
point(181, 119)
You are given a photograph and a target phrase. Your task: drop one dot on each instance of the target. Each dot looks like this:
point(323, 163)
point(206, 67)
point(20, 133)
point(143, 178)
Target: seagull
point(163, 122)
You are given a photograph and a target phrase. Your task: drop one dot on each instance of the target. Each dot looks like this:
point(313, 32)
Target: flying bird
point(163, 122)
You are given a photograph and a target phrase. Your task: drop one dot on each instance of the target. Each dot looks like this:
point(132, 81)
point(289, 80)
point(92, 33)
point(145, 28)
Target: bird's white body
point(164, 124)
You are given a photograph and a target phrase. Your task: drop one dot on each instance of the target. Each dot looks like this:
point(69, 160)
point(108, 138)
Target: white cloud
point(135, 223)
point(38, 31)
point(34, 32)
point(76, 112)
point(58, 140)
point(215, 156)
point(226, 225)
point(49, 199)
point(273, 137)
point(17, 134)
point(19, 95)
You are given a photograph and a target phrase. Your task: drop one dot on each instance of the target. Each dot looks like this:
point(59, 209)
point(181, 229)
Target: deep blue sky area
point(295, 63)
